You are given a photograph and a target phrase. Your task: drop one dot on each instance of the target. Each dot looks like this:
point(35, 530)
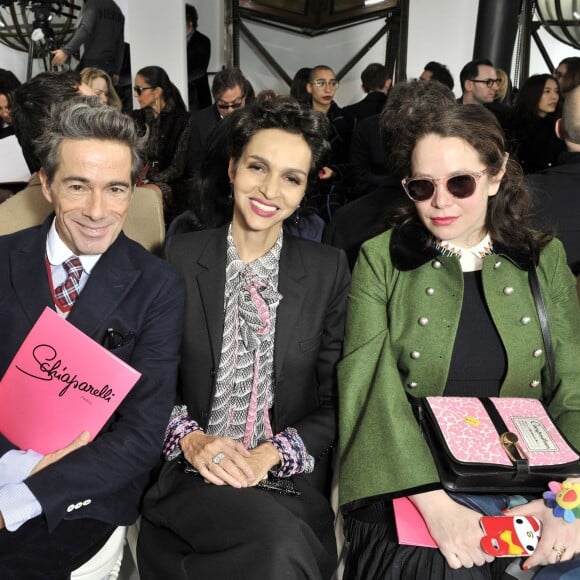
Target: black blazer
point(372, 104)
point(556, 195)
point(202, 124)
point(313, 280)
point(129, 290)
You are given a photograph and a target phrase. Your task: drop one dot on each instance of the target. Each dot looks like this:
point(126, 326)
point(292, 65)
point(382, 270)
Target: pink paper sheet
point(60, 383)
point(411, 527)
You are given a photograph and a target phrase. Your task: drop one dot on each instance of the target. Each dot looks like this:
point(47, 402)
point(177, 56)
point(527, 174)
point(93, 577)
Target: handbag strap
point(546, 335)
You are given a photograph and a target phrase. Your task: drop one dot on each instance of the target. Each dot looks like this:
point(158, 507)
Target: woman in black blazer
point(244, 491)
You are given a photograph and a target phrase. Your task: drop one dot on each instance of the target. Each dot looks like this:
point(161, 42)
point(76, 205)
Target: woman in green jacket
point(441, 305)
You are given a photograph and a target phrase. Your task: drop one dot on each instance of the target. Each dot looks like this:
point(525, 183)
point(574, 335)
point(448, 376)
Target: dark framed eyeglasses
point(461, 185)
point(487, 82)
point(139, 90)
point(226, 106)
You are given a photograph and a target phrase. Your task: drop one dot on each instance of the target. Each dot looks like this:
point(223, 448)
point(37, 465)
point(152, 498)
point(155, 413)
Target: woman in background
point(533, 118)
point(164, 114)
point(102, 86)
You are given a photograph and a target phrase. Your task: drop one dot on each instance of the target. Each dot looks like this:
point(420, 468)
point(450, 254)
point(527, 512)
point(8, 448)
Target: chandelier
point(561, 18)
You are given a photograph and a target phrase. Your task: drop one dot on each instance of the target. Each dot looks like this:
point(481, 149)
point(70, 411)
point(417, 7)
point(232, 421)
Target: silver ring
point(219, 457)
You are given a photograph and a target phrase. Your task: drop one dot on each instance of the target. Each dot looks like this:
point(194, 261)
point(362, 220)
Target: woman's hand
point(557, 537)
point(261, 460)
point(455, 529)
point(234, 469)
point(325, 173)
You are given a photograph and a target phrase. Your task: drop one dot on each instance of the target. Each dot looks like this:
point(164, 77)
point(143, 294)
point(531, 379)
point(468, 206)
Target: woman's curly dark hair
point(286, 114)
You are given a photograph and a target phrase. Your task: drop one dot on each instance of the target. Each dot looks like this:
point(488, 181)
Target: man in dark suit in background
point(198, 55)
point(57, 510)
point(556, 190)
point(376, 83)
point(229, 94)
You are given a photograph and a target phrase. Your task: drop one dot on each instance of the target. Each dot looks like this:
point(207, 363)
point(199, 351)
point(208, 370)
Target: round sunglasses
point(461, 185)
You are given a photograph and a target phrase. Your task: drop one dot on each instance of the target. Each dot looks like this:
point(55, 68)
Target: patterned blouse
point(244, 393)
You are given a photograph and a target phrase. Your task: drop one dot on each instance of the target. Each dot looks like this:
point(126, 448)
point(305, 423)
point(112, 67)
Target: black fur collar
point(411, 247)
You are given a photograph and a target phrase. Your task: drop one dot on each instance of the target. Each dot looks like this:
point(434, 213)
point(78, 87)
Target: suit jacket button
point(78, 505)
point(423, 321)
point(497, 265)
point(212, 373)
point(430, 291)
point(525, 320)
point(538, 353)
point(436, 264)
point(535, 384)
point(412, 385)
point(415, 354)
point(70, 508)
point(87, 502)
point(508, 290)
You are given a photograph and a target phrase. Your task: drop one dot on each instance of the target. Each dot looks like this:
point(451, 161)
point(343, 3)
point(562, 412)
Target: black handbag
point(498, 445)
point(495, 445)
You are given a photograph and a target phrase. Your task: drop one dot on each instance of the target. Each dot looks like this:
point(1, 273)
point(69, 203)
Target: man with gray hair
point(57, 510)
point(555, 190)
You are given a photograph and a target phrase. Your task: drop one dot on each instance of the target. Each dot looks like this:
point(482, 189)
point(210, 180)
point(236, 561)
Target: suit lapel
point(292, 286)
point(29, 274)
point(111, 280)
point(211, 284)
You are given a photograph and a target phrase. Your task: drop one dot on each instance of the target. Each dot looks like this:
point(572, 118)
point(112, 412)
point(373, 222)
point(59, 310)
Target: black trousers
point(373, 553)
point(32, 553)
point(193, 530)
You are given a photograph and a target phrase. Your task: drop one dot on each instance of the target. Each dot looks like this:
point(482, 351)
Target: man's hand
point(47, 460)
point(59, 57)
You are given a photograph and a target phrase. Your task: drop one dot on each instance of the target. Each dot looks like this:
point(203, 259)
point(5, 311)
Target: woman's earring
point(231, 193)
point(297, 214)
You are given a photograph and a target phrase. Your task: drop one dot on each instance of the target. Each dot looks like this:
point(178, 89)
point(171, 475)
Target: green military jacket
point(403, 314)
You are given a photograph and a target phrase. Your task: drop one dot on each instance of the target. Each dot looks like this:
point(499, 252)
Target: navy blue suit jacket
point(131, 291)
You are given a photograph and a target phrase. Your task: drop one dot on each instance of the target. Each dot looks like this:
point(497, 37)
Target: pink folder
point(60, 383)
point(411, 527)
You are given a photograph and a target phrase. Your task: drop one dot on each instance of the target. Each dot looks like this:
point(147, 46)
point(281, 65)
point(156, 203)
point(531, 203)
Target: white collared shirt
point(57, 252)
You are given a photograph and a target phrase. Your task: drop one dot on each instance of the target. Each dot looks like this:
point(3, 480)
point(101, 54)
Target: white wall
point(442, 31)
point(157, 32)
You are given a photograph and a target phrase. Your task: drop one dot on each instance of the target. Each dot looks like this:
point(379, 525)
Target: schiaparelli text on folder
point(60, 383)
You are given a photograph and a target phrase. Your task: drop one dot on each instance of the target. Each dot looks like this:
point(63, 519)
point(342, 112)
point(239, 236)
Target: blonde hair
point(89, 74)
point(503, 85)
